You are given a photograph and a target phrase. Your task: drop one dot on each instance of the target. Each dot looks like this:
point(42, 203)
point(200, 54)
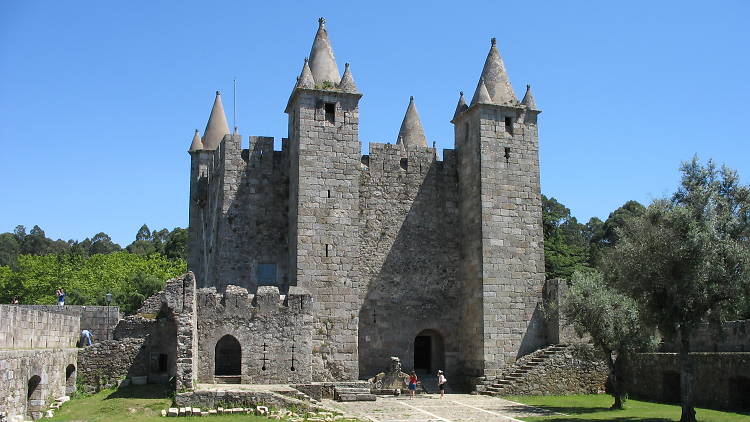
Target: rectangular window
point(509, 124)
point(330, 112)
point(267, 274)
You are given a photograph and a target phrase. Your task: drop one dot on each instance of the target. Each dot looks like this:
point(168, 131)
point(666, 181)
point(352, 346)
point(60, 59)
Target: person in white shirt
point(441, 383)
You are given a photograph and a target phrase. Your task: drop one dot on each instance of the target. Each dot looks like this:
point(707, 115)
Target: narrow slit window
point(509, 124)
point(330, 109)
point(507, 154)
point(328, 250)
point(329, 193)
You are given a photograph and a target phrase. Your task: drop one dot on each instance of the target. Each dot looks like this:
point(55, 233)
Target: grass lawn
point(596, 408)
point(131, 404)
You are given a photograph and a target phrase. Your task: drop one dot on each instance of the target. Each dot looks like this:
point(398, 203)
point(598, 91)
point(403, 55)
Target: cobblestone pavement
point(429, 407)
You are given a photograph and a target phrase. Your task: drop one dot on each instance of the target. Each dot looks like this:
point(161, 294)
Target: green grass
point(131, 404)
point(596, 408)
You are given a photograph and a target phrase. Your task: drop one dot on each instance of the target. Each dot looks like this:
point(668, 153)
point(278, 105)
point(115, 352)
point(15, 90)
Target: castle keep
point(395, 253)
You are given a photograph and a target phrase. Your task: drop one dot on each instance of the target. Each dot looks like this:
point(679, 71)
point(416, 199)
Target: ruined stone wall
point(24, 328)
point(106, 363)
point(409, 240)
point(722, 380)
point(100, 320)
point(324, 226)
point(512, 253)
point(275, 333)
point(53, 369)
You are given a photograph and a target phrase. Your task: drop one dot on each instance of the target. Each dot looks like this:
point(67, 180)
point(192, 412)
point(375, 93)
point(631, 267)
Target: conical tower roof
point(496, 79)
point(528, 99)
point(196, 145)
point(347, 81)
point(461, 106)
point(322, 62)
point(217, 125)
point(481, 95)
point(306, 79)
point(411, 132)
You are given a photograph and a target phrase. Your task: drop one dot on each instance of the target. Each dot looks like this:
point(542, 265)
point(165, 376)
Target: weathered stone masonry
point(438, 262)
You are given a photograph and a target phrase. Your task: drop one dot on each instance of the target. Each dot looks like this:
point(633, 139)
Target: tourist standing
point(441, 383)
point(60, 297)
point(412, 384)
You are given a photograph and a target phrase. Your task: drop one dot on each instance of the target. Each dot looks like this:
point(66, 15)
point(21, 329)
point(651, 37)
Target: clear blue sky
point(99, 100)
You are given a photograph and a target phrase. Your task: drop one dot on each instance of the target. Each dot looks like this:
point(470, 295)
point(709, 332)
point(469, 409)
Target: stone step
point(352, 390)
point(348, 397)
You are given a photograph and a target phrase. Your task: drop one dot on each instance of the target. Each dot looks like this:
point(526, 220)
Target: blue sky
point(99, 100)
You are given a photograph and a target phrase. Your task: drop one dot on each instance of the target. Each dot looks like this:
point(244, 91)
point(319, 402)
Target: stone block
point(173, 412)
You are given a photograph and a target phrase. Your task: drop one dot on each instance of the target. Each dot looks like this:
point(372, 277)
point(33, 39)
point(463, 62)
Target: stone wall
point(106, 363)
point(24, 328)
point(274, 334)
point(39, 375)
point(722, 380)
point(409, 236)
point(100, 320)
point(558, 330)
point(579, 369)
point(733, 337)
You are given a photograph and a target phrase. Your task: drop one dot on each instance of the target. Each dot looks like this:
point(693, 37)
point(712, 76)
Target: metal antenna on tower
point(234, 104)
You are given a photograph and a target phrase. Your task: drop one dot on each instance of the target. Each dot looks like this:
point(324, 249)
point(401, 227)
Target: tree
point(613, 322)
point(603, 236)
point(35, 243)
point(686, 260)
point(176, 246)
point(143, 233)
point(9, 250)
point(101, 243)
point(565, 243)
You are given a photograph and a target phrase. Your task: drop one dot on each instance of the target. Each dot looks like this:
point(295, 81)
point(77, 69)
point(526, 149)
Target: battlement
point(393, 158)
point(266, 300)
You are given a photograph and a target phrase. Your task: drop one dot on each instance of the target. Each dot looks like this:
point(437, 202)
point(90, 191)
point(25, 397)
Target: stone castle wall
point(24, 328)
point(409, 237)
point(37, 358)
point(721, 381)
point(275, 333)
point(733, 337)
point(100, 320)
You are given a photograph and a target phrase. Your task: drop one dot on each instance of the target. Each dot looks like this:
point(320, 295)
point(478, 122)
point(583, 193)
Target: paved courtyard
point(429, 407)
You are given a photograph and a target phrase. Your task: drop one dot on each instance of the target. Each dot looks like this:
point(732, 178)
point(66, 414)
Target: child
point(412, 384)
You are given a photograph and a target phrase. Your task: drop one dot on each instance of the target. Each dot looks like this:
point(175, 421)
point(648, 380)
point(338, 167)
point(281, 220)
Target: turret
point(322, 61)
point(196, 144)
point(411, 133)
point(217, 125)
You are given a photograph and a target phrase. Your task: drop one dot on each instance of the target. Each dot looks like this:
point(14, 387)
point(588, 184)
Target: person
point(60, 297)
point(15, 300)
point(86, 338)
point(441, 383)
point(412, 384)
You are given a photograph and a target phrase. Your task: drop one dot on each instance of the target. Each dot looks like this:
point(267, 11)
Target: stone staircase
point(518, 371)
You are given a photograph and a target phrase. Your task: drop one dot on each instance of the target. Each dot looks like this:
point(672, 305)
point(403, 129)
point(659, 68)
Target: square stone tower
point(324, 162)
point(500, 214)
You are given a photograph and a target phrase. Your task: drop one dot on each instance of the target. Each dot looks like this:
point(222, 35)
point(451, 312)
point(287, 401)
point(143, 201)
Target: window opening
point(509, 124)
point(329, 193)
point(228, 356)
point(328, 250)
point(330, 109)
point(163, 360)
point(507, 155)
point(267, 274)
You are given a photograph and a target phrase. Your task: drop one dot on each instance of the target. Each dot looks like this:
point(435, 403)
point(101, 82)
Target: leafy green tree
point(9, 250)
point(101, 243)
point(176, 246)
point(35, 243)
point(603, 236)
point(143, 233)
point(565, 243)
point(613, 322)
point(686, 260)
point(143, 286)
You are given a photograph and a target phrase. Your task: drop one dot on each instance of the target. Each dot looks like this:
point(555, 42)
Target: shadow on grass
point(570, 410)
point(148, 391)
point(610, 419)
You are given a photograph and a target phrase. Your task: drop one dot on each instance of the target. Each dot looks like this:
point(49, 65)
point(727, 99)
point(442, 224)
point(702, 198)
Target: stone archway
point(228, 359)
point(34, 400)
point(70, 379)
point(429, 351)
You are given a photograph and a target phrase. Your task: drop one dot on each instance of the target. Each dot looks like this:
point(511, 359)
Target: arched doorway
point(228, 357)
point(70, 379)
point(429, 354)
point(34, 402)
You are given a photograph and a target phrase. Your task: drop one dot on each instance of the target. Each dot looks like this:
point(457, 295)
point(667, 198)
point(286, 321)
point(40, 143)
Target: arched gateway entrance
point(429, 352)
point(228, 359)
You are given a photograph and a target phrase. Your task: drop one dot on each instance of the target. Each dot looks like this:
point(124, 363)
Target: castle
point(396, 253)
